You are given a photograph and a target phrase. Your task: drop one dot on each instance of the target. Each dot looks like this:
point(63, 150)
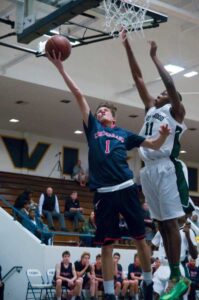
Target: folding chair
point(37, 286)
point(50, 275)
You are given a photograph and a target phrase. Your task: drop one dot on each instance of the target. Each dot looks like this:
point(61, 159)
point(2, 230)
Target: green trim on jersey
point(181, 183)
point(176, 144)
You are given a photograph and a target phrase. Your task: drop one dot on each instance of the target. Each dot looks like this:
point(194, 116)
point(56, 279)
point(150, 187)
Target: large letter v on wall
point(18, 151)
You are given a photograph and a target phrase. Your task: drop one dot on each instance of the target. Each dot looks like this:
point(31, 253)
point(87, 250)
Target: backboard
point(87, 17)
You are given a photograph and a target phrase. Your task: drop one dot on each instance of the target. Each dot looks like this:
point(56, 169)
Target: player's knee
point(58, 282)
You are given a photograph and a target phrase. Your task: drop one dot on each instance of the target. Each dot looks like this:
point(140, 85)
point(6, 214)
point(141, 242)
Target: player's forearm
point(166, 77)
point(154, 144)
point(135, 69)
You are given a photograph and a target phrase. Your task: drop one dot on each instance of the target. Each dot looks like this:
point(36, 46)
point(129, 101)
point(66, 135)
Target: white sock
point(73, 298)
point(108, 287)
point(147, 276)
point(136, 297)
point(58, 298)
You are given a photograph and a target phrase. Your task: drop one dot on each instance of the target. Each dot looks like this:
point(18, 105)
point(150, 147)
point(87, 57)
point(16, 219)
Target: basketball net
point(128, 15)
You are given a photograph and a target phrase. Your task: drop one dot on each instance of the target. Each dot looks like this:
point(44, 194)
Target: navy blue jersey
point(108, 153)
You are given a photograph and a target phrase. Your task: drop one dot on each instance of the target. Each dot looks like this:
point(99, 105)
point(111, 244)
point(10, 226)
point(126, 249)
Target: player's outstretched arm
point(177, 106)
point(155, 144)
point(81, 100)
point(147, 99)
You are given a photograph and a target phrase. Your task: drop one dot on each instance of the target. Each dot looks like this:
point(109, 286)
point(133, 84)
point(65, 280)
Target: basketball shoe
point(178, 290)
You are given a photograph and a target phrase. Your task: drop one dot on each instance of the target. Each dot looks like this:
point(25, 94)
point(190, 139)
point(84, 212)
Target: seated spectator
point(156, 264)
point(88, 227)
point(135, 275)
point(49, 208)
point(79, 175)
point(122, 284)
point(98, 274)
point(37, 227)
point(194, 219)
point(22, 198)
point(65, 276)
point(73, 210)
point(85, 271)
point(1, 287)
point(194, 277)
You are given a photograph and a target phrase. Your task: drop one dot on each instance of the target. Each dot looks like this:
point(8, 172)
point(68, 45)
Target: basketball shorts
point(165, 187)
point(108, 206)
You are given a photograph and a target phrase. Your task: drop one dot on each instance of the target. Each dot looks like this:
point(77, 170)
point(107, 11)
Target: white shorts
point(160, 188)
point(161, 278)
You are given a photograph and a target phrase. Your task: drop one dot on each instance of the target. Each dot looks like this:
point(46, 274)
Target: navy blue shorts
point(108, 206)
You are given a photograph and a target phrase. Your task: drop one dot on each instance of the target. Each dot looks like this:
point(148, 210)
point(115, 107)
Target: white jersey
point(154, 118)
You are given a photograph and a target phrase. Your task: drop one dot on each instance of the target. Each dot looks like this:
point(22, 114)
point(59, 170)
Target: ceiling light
point(65, 101)
point(13, 120)
point(78, 132)
point(183, 151)
point(172, 69)
point(192, 128)
point(21, 102)
point(191, 74)
point(133, 116)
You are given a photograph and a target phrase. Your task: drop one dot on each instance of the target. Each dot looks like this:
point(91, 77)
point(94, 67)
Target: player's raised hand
point(153, 49)
point(55, 60)
point(164, 130)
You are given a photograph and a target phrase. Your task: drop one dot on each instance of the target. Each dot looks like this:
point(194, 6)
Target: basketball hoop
point(128, 15)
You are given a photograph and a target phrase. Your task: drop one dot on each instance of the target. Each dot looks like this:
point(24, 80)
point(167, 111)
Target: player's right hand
point(164, 130)
point(55, 60)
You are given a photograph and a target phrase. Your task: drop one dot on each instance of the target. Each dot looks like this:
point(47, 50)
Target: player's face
point(85, 260)
point(105, 116)
point(66, 259)
point(162, 99)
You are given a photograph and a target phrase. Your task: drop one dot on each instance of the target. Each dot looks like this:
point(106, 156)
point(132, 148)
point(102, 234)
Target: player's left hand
point(153, 49)
point(164, 130)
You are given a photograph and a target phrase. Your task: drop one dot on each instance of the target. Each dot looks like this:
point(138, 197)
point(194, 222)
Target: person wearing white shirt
point(49, 208)
point(188, 247)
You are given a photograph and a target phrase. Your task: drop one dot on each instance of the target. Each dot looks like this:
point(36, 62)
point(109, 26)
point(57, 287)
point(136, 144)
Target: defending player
point(112, 181)
point(164, 178)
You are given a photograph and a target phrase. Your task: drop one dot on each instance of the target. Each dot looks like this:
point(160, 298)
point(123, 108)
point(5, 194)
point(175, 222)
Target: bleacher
point(12, 184)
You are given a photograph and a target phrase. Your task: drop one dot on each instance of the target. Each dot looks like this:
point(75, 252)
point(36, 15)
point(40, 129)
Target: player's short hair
point(109, 105)
point(85, 254)
point(98, 256)
point(65, 253)
point(116, 254)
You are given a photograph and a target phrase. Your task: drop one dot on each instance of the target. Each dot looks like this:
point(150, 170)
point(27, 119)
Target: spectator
point(49, 208)
point(121, 283)
point(78, 174)
point(73, 210)
point(194, 277)
point(37, 227)
point(1, 287)
point(194, 219)
point(65, 276)
point(135, 275)
point(22, 198)
point(86, 271)
point(89, 227)
point(156, 264)
point(98, 273)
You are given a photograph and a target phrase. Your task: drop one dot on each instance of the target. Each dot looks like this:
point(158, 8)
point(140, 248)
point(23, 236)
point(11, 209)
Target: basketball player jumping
point(163, 179)
point(112, 181)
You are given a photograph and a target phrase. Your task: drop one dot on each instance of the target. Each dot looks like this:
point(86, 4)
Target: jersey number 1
point(107, 150)
point(149, 128)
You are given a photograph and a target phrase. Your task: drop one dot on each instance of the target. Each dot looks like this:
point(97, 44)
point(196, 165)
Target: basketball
point(58, 43)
